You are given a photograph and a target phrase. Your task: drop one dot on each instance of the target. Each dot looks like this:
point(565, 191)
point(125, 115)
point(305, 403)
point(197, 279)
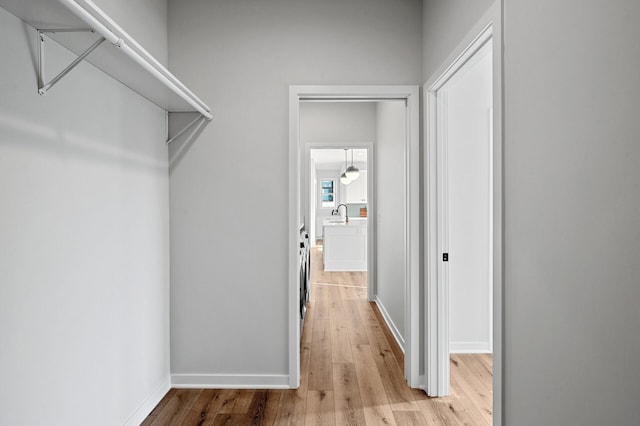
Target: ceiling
point(331, 159)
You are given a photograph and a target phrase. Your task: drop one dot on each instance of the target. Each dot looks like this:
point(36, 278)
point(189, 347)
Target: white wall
point(242, 56)
point(323, 213)
point(572, 231)
point(313, 202)
point(390, 213)
point(468, 103)
point(84, 246)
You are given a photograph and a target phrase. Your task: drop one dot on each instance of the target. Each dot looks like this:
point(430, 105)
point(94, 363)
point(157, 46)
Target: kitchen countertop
point(353, 222)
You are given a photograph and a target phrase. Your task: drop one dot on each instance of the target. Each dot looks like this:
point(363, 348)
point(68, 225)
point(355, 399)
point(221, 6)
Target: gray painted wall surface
point(337, 122)
point(572, 92)
point(144, 20)
point(445, 23)
point(229, 258)
point(84, 242)
point(390, 211)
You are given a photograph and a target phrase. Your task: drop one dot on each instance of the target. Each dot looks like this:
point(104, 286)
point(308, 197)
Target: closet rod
point(168, 80)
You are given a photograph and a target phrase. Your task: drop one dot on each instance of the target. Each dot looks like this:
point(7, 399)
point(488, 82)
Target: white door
point(467, 99)
point(464, 196)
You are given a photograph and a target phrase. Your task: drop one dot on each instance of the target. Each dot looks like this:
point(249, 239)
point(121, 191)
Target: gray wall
point(572, 93)
point(144, 20)
point(242, 56)
point(390, 211)
point(445, 23)
point(337, 122)
point(84, 241)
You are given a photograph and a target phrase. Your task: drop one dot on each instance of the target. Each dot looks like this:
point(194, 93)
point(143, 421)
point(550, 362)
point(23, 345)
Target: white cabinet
point(356, 191)
point(345, 246)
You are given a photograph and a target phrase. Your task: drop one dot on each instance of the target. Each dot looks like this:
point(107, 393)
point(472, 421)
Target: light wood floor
point(351, 374)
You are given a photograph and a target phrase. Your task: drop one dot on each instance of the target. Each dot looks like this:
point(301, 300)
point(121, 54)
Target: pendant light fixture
point(344, 179)
point(352, 171)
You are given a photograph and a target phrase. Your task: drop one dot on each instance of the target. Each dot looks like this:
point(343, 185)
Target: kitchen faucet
point(336, 211)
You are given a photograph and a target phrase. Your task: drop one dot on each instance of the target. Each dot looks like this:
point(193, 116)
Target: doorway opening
point(463, 228)
point(363, 213)
point(340, 213)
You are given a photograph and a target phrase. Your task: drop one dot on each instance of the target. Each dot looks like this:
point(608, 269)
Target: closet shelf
point(79, 25)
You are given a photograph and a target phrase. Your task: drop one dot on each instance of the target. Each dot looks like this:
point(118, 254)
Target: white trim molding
point(392, 326)
point(230, 381)
point(436, 381)
point(149, 403)
point(469, 347)
point(410, 94)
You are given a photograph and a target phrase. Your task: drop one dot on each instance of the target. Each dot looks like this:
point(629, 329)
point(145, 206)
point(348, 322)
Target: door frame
point(410, 94)
point(437, 374)
point(371, 207)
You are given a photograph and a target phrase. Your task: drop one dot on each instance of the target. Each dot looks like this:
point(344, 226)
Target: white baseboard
point(470, 348)
point(149, 404)
point(422, 382)
point(390, 323)
point(230, 381)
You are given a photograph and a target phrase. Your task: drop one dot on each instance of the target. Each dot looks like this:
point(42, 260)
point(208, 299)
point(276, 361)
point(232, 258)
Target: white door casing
point(412, 208)
point(487, 30)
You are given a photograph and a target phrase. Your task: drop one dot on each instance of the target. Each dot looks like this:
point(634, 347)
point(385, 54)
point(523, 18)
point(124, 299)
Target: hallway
point(351, 374)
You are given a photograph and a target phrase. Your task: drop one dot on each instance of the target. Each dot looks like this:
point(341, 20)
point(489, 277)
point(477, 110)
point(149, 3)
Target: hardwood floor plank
point(177, 407)
point(349, 293)
point(357, 333)
point(321, 303)
point(348, 402)
point(374, 398)
point(256, 410)
point(292, 408)
point(236, 401)
point(400, 396)
point(366, 313)
point(340, 341)
point(229, 420)
point(469, 391)
point(334, 297)
point(201, 410)
point(428, 410)
point(473, 366)
point(393, 344)
point(305, 361)
point(474, 379)
point(320, 371)
point(307, 328)
point(379, 343)
point(320, 409)
point(274, 398)
point(409, 418)
point(351, 374)
point(487, 360)
point(451, 411)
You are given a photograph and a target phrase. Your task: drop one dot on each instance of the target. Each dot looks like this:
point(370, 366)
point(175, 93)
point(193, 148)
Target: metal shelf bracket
point(43, 85)
point(200, 120)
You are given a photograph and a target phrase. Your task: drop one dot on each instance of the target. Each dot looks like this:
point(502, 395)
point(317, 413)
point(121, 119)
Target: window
point(328, 193)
